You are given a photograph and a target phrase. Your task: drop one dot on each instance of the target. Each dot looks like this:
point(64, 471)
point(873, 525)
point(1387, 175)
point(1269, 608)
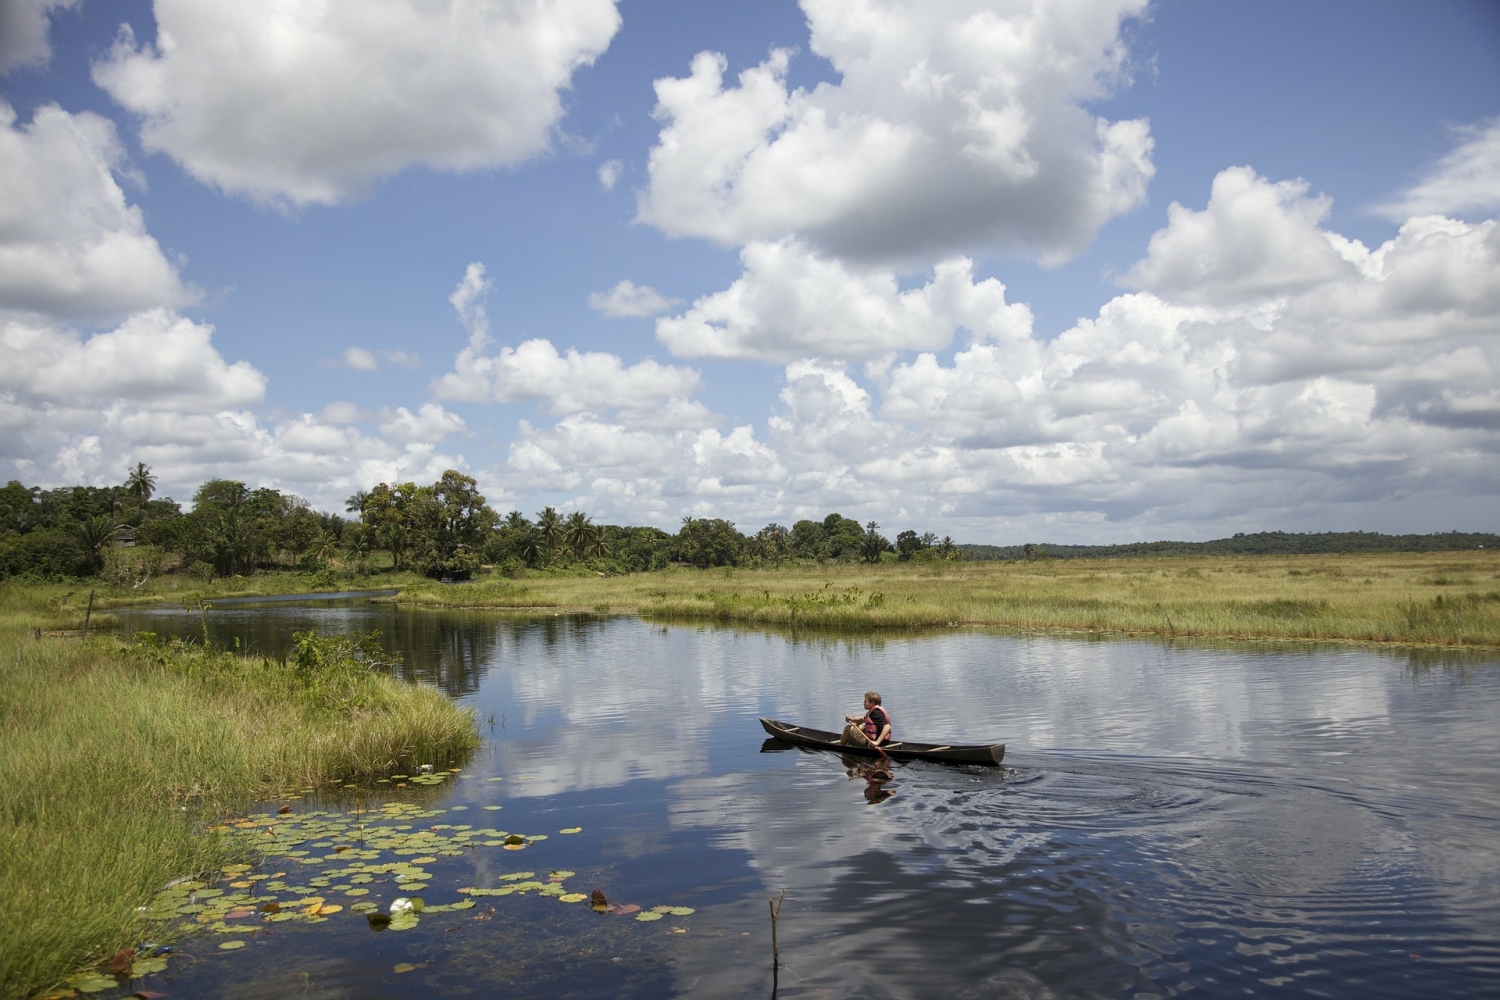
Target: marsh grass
point(1447, 598)
point(115, 757)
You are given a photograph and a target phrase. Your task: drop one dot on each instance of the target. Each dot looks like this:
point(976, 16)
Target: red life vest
point(871, 729)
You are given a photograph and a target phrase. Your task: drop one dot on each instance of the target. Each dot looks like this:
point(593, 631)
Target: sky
point(1083, 271)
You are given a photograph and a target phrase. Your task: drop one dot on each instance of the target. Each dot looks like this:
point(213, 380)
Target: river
point(1211, 819)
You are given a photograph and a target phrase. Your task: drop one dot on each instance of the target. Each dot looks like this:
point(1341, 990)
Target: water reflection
point(1209, 817)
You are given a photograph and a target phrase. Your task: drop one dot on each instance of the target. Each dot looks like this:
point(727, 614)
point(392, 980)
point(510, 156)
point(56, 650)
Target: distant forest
point(126, 535)
point(444, 530)
point(1261, 543)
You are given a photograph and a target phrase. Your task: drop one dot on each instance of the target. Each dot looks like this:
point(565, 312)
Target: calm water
point(1208, 820)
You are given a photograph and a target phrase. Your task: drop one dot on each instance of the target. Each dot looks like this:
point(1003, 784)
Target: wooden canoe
point(947, 753)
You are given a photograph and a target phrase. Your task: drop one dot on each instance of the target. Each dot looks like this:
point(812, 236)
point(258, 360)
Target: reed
point(116, 757)
point(1446, 598)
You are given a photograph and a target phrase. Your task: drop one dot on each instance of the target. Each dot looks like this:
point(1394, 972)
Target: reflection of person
point(875, 773)
point(871, 729)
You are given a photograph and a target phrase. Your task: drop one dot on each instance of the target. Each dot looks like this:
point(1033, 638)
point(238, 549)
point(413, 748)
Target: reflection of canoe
point(951, 753)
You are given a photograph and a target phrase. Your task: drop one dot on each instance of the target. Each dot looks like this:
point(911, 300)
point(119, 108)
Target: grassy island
point(1426, 598)
point(117, 756)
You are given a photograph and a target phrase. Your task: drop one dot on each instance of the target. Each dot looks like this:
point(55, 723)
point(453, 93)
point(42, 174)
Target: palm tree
point(580, 534)
point(320, 547)
point(600, 546)
point(550, 526)
point(93, 533)
point(359, 539)
point(140, 483)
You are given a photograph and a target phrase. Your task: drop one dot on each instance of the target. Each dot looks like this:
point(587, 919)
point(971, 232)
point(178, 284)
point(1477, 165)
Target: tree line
point(444, 530)
point(1260, 543)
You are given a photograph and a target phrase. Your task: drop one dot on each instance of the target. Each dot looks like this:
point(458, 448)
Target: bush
point(45, 554)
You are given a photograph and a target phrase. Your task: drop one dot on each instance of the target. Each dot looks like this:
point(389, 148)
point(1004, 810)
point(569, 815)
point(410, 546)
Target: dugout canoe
point(947, 753)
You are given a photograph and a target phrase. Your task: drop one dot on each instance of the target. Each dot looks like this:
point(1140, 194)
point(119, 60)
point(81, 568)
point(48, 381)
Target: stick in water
point(775, 952)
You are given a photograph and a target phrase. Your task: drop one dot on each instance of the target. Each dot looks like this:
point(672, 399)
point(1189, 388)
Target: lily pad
point(92, 982)
point(404, 967)
point(648, 916)
point(356, 892)
point(404, 921)
point(573, 897)
point(572, 829)
point(146, 966)
point(517, 876)
point(231, 945)
point(492, 808)
point(681, 911)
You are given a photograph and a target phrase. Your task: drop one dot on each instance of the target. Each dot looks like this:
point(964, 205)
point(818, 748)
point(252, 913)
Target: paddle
point(868, 741)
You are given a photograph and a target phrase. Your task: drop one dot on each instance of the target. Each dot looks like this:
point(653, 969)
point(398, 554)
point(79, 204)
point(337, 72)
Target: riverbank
point(1445, 599)
point(116, 756)
point(1436, 598)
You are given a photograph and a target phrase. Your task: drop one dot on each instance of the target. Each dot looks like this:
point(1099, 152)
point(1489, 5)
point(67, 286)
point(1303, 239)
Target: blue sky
point(918, 263)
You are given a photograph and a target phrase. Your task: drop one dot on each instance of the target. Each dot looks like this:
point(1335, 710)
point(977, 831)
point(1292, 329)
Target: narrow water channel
point(1216, 820)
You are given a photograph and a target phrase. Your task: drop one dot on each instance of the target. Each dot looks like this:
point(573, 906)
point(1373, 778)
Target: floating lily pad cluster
point(382, 851)
point(524, 882)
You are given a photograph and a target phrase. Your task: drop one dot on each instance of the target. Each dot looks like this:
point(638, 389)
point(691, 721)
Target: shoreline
point(1448, 600)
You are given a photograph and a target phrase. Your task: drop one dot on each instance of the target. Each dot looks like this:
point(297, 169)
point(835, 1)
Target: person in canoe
point(871, 729)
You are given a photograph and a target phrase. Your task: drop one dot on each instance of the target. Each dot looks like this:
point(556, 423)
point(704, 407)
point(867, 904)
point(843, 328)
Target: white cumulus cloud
point(567, 382)
point(792, 302)
point(310, 103)
point(1464, 181)
point(629, 299)
point(155, 360)
point(430, 424)
point(71, 245)
point(360, 359)
point(1231, 393)
point(955, 125)
point(1255, 239)
point(77, 409)
point(564, 383)
point(23, 31)
point(609, 173)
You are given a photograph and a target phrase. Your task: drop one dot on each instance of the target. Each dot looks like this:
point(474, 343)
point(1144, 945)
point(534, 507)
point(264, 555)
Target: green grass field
point(116, 757)
point(1447, 598)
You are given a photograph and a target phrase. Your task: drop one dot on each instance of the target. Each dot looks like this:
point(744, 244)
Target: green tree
point(773, 543)
point(873, 543)
point(223, 526)
point(549, 526)
point(140, 483)
point(580, 535)
point(93, 534)
point(709, 541)
point(463, 523)
point(807, 539)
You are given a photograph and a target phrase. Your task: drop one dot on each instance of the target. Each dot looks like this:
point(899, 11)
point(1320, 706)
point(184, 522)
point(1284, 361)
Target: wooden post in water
point(88, 614)
point(775, 906)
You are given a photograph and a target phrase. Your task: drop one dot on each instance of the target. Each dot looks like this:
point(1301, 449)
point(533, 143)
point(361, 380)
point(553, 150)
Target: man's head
point(872, 698)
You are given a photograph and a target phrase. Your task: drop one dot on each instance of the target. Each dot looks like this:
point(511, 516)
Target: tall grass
point(114, 759)
point(1446, 598)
